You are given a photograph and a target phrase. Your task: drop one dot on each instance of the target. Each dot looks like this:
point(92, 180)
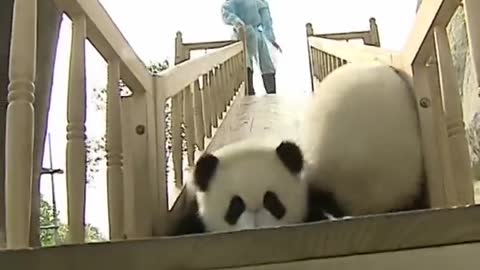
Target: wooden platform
point(432, 239)
point(260, 116)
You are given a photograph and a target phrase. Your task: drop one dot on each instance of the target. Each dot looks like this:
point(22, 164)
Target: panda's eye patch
point(273, 205)
point(235, 209)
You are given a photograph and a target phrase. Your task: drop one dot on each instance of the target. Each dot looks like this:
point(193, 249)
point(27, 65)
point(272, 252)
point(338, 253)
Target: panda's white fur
point(249, 168)
point(362, 139)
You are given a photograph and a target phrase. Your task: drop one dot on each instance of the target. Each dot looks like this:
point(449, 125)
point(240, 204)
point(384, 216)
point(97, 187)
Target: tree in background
point(49, 222)
point(96, 153)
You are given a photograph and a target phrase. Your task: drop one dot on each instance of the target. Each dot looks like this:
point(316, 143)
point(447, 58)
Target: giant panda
point(362, 142)
point(245, 185)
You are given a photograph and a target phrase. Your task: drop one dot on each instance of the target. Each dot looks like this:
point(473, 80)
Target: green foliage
point(49, 222)
point(156, 68)
point(96, 150)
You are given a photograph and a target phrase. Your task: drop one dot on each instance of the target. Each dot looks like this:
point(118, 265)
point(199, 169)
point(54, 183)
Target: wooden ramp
point(260, 116)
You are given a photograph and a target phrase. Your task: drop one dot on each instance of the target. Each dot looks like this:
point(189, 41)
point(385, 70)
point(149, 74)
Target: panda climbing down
point(360, 154)
point(362, 142)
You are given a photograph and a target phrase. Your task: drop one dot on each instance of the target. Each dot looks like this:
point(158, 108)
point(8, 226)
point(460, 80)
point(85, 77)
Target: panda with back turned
point(362, 142)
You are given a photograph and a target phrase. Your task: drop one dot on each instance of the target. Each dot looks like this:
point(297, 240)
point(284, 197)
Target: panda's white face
point(244, 187)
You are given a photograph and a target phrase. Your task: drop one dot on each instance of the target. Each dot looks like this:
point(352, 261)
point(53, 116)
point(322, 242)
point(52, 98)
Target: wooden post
point(243, 38)
point(374, 36)
point(452, 105)
point(309, 30)
point(181, 52)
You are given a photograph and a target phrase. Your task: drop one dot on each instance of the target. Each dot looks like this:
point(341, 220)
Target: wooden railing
point(427, 57)
point(201, 90)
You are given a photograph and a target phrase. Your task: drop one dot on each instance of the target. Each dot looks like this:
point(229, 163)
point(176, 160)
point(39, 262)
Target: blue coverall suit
point(254, 15)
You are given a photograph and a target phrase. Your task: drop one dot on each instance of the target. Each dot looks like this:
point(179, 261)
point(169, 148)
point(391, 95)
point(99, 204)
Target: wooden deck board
point(260, 116)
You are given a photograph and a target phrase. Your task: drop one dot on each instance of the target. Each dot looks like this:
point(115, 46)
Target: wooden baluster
point(230, 82)
point(129, 218)
point(323, 65)
point(330, 63)
point(233, 76)
point(177, 153)
point(189, 124)
point(238, 72)
point(320, 61)
point(114, 152)
point(333, 61)
point(198, 113)
point(218, 93)
point(206, 106)
point(452, 105)
point(76, 154)
point(223, 86)
point(212, 91)
point(20, 124)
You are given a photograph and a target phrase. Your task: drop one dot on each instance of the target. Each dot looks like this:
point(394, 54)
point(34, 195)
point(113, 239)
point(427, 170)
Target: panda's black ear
point(291, 156)
point(204, 170)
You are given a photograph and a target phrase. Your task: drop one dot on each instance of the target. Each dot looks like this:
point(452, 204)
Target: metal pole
point(52, 185)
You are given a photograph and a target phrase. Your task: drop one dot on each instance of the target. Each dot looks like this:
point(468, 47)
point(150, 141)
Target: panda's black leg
point(321, 203)
point(419, 202)
point(191, 223)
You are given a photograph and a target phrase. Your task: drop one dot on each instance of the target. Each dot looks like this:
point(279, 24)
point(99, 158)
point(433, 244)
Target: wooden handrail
point(109, 41)
point(209, 45)
point(352, 52)
point(175, 79)
point(431, 13)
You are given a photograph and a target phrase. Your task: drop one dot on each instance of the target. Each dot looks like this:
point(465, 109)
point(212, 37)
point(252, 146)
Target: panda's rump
point(362, 139)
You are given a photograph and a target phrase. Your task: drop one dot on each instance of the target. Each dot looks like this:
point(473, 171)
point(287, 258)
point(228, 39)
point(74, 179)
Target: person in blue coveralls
point(254, 16)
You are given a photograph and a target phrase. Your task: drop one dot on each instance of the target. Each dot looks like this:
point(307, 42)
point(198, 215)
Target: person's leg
point(269, 82)
point(266, 65)
point(252, 52)
point(251, 90)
